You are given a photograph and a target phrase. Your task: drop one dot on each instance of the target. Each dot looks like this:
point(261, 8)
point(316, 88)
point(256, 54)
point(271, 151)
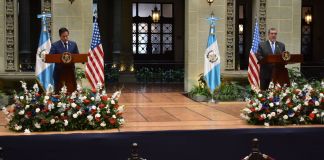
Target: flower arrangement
point(281, 105)
point(83, 109)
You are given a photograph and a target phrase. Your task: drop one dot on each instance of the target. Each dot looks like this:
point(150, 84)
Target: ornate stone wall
point(10, 34)
point(230, 35)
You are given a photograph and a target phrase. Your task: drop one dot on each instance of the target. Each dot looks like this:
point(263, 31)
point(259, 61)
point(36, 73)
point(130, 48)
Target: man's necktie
point(66, 46)
point(273, 47)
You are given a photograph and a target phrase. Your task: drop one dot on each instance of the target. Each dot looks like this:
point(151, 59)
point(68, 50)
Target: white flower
point(279, 111)
point(315, 111)
point(317, 103)
point(79, 112)
point(75, 115)
point(273, 114)
point(113, 116)
point(59, 104)
point(108, 111)
point(73, 105)
point(317, 115)
point(122, 120)
point(66, 122)
point(302, 119)
point(103, 124)
point(92, 98)
point(260, 95)
point(271, 104)
point(46, 97)
point(266, 124)
point(17, 128)
point(26, 131)
point(52, 121)
point(21, 97)
point(285, 117)
point(295, 108)
point(37, 110)
point(112, 102)
point(288, 101)
point(254, 104)
point(35, 87)
point(73, 95)
point(277, 103)
point(116, 95)
point(321, 95)
point(322, 114)
point(79, 88)
point(97, 115)
point(37, 125)
point(27, 106)
point(121, 108)
point(93, 107)
point(5, 111)
point(269, 116)
point(21, 112)
point(62, 114)
point(247, 110)
point(292, 115)
point(306, 103)
point(284, 94)
point(90, 117)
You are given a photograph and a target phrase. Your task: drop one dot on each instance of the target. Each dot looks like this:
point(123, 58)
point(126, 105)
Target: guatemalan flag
point(44, 71)
point(212, 58)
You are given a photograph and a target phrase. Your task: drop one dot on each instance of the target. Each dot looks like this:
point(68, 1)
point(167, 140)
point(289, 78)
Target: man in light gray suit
point(269, 47)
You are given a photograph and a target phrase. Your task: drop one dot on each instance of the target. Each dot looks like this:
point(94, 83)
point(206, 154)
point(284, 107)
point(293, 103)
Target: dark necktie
point(66, 46)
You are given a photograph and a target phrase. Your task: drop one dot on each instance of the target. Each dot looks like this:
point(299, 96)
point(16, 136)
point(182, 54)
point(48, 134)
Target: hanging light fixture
point(155, 14)
point(71, 1)
point(308, 17)
point(210, 1)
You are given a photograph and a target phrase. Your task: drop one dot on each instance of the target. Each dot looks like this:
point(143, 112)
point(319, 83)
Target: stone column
point(24, 35)
point(126, 28)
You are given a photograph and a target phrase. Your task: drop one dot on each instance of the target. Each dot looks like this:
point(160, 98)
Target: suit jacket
point(264, 50)
point(58, 48)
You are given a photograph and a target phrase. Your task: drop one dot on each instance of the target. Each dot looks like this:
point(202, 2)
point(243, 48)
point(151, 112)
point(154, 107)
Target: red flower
point(101, 106)
point(116, 106)
point(270, 99)
point(29, 113)
point(311, 116)
point(37, 94)
point(261, 118)
point(71, 100)
point(94, 90)
point(252, 109)
point(78, 107)
point(97, 119)
point(290, 105)
point(311, 103)
point(119, 113)
point(112, 121)
point(263, 99)
point(104, 98)
point(86, 101)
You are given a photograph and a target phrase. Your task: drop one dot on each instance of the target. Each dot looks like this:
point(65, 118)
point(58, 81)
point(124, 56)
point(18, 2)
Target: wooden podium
point(279, 71)
point(66, 60)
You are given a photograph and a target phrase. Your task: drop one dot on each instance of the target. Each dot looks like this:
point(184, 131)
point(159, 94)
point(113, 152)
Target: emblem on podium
point(66, 57)
point(286, 56)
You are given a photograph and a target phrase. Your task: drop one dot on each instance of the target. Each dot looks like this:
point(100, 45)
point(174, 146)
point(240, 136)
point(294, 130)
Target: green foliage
point(151, 74)
point(230, 91)
point(201, 88)
point(296, 76)
point(112, 74)
point(79, 73)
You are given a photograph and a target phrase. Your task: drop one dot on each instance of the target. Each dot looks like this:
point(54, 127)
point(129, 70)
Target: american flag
point(95, 64)
point(254, 67)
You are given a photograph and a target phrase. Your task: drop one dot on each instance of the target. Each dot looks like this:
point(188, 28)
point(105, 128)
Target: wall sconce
point(71, 1)
point(241, 28)
point(210, 2)
point(308, 17)
point(155, 15)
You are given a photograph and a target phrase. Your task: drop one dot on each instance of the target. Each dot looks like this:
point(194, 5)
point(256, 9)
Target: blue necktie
point(65, 46)
point(273, 47)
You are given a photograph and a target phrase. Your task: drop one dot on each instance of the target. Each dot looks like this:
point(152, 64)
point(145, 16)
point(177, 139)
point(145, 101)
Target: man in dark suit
point(269, 47)
point(61, 71)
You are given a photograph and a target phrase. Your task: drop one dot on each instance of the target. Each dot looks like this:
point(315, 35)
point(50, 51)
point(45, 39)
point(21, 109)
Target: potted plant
point(200, 92)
